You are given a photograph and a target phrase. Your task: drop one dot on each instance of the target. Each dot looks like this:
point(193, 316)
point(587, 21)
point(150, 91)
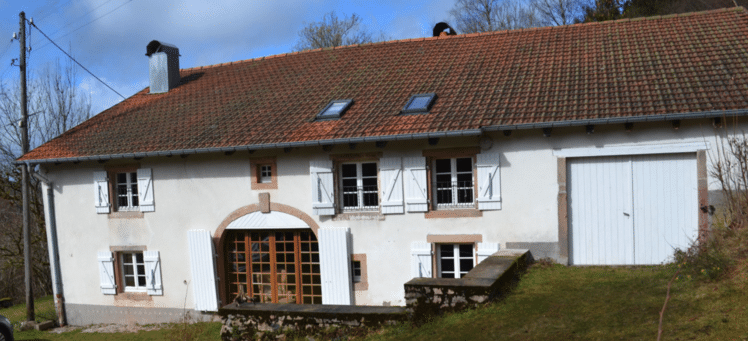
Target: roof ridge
point(477, 34)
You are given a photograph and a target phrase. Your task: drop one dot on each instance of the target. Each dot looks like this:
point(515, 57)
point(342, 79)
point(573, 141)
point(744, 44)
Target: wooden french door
point(274, 266)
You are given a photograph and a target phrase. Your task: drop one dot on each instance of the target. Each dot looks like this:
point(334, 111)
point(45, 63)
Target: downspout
point(54, 255)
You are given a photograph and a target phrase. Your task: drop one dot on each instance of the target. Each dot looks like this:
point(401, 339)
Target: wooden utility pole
point(25, 171)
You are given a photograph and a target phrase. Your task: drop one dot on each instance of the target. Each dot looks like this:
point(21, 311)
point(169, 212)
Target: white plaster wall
point(199, 192)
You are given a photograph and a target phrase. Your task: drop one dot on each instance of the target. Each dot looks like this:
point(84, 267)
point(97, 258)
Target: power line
point(79, 64)
point(52, 12)
point(78, 18)
point(84, 25)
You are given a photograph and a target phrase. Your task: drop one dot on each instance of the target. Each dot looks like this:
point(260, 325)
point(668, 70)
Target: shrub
point(727, 243)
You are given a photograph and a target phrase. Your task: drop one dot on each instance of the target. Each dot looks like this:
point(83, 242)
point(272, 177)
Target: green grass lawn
point(550, 303)
point(597, 303)
point(45, 310)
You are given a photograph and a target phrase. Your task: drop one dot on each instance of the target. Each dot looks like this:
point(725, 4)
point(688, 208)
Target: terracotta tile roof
point(621, 70)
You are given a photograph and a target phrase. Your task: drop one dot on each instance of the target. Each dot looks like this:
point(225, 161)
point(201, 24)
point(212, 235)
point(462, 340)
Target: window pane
point(465, 195)
point(448, 275)
point(141, 281)
point(122, 178)
point(139, 257)
point(443, 166)
point(349, 185)
point(369, 169)
point(371, 199)
point(349, 170)
point(447, 250)
point(141, 269)
point(134, 177)
point(135, 200)
point(333, 110)
point(464, 164)
point(466, 265)
point(443, 181)
point(128, 270)
point(465, 179)
point(419, 103)
point(129, 281)
point(448, 265)
point(370, 184)
point(466, 250)
point(122, 201)
point(350, 200)
point(444, 196)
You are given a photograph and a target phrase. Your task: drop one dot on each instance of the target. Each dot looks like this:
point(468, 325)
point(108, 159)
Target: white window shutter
point(145, 190)
point(202, 265)
point(335, 265)
point(323, 188)
point(416, 184)
point(486, 249)
point(101, 192)
point(489, 181)
point(153, 273)
point(106, 273)
point(392, 185)
point(420, 265)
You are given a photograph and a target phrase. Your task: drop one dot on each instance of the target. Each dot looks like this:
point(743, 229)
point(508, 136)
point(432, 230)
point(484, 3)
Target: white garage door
point(631, 209)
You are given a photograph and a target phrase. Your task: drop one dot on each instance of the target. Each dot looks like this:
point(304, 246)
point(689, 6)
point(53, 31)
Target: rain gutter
point(399, 137)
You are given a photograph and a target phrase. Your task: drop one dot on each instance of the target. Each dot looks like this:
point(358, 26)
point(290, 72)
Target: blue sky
point(109, 36)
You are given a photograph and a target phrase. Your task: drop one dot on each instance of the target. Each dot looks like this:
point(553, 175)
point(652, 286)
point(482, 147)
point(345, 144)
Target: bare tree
point(473, 16)
point(558, 12)
point(333, 31)
point(55, 105)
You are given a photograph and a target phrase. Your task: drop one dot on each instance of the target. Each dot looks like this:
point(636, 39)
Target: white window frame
point(266, 174)
point(132, 191)
point(455, 187)
point(360, 191)
point(132, 255)
point(455, 258)
point(356, 267)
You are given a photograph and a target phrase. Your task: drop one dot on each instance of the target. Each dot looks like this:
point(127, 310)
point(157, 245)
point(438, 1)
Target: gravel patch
point(110, 328)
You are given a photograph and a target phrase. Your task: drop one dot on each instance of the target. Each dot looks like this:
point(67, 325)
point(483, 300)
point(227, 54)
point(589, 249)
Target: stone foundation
point(244, 321)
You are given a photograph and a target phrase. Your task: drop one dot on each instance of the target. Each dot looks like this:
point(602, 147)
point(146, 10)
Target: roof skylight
point(334, 109)
point(419, 104)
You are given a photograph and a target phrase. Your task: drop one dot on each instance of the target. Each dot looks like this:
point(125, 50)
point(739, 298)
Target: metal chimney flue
point(163, 66)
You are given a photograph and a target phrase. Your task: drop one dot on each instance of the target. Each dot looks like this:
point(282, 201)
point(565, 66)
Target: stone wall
point(245, 321)
point(492, 278)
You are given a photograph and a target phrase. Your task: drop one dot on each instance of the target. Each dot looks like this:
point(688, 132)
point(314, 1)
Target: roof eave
point(399, 137)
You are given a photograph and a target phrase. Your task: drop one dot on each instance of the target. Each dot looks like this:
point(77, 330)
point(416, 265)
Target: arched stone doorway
point(273, 256)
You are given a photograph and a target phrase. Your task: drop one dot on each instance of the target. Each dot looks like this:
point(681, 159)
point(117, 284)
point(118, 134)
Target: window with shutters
point(453, 177)
point(130, 272)
point(455, 260)
point(453, 183)
point(127, 191)
point(359, 187)
point(124, 191)
point(132, 268)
